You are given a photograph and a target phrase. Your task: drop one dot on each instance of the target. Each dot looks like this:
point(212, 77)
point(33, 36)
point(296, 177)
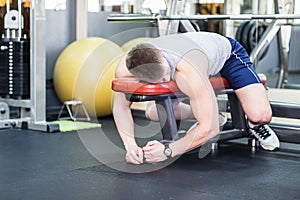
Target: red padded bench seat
point(131, 85)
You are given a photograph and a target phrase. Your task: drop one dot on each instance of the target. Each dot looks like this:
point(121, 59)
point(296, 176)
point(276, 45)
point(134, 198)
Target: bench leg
point(168, 122)
point(237, 113)
point(167, 119)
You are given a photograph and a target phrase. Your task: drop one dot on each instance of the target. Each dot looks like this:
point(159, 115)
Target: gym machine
point(169, 24)
point(23, 70)
point(175, 16)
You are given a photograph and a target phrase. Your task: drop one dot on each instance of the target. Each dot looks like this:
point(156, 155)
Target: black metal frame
point(165, 112)
point(286, 133)
point(235, 128)
point(169, 129)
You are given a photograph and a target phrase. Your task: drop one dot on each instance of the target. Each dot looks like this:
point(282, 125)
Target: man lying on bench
point(190, 59)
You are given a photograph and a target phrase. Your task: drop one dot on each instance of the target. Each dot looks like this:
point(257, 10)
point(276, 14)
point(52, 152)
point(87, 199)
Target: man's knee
point(151, 112)
point(263, 116)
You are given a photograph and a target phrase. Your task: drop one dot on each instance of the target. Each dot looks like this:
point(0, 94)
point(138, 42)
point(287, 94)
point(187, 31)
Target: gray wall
point(117, 31)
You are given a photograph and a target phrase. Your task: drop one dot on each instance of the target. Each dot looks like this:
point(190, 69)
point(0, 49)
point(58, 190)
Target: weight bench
point(163, 93)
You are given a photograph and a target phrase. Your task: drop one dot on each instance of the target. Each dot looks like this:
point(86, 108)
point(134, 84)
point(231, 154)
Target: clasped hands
point(153, 152)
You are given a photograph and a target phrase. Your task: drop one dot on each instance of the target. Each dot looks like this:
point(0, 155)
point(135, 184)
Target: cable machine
point(25, 90)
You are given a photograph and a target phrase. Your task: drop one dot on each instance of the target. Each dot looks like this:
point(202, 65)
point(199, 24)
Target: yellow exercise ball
point(127, 46)
point(84, 71)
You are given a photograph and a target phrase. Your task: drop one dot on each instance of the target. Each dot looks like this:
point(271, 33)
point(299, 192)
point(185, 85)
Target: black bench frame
point(169, 129)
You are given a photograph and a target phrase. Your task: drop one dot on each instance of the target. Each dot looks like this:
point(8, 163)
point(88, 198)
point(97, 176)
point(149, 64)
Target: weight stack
point(15, 69)
point(4, 69)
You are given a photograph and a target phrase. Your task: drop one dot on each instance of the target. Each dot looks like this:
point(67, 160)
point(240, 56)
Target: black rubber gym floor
point(37, 165)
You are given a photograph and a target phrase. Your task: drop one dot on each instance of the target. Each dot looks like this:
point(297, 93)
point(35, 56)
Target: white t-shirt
point(216, 47)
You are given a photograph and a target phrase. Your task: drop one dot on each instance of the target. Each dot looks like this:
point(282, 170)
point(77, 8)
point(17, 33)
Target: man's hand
point(154, 152)
point(134, 155)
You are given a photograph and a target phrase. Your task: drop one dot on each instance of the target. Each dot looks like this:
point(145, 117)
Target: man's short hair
point(145, 62)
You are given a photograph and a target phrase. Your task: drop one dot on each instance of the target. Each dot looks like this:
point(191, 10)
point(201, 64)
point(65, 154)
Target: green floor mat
point(69, 125)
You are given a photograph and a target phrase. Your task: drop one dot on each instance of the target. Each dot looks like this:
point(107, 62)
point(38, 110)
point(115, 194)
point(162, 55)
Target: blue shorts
point(238, 68)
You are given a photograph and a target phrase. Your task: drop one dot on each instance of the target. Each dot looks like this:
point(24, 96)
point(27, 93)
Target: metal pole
point(282, 62)
point(20, 20)
point(172, 7)
point(81, 19)
point(7, 11)
point(231, 17)
point(268, 36)
point(202, 17)
point(37, 65)
point(7, 6)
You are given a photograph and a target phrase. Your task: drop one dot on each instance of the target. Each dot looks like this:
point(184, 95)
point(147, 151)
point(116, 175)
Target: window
point(55, 4)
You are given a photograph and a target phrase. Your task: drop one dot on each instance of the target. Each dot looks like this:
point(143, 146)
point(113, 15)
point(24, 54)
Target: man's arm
point(124, 121)
point(204, 107)
point(193, 81)
point(125, 125)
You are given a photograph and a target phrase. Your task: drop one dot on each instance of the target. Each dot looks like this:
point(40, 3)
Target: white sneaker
point(266, 136)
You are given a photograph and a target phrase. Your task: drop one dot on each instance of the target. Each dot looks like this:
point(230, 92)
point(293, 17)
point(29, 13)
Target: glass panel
point(55, 4)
